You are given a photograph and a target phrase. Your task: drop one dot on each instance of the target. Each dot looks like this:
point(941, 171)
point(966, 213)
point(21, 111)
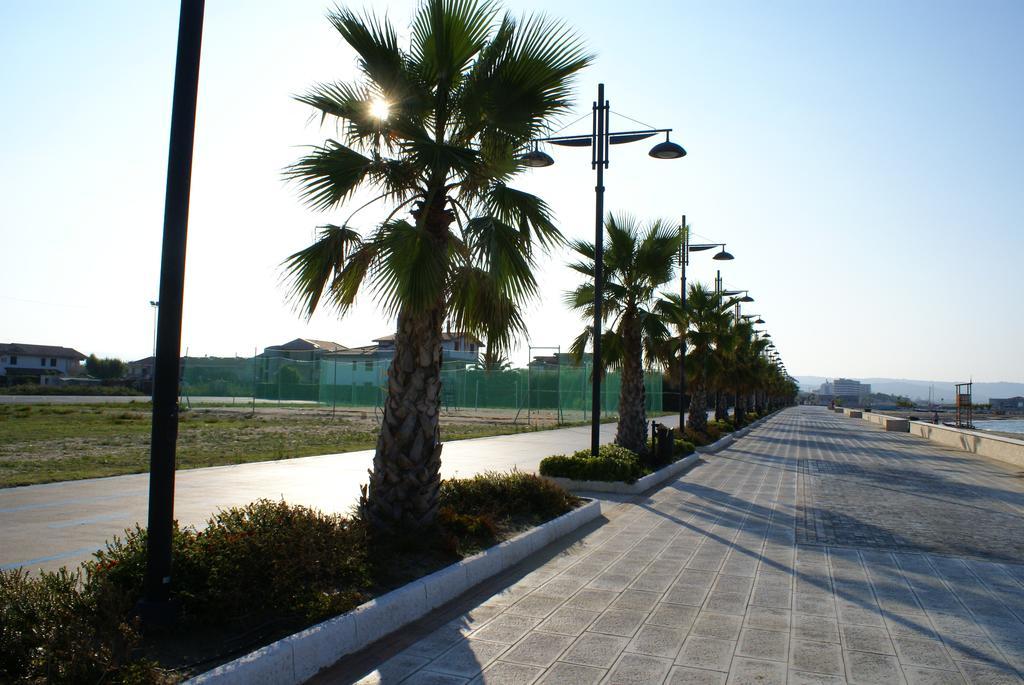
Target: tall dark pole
point(683, 328)
point(154, 606)
point(599, 161)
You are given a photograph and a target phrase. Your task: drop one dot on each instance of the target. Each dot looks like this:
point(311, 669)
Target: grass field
point(42, 443)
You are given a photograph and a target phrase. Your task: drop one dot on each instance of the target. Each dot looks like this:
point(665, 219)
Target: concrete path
point(57, 524)
point(818, 549)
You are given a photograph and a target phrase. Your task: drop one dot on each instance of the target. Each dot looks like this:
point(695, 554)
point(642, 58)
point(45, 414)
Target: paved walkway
point(57, 524)
point(819, 549)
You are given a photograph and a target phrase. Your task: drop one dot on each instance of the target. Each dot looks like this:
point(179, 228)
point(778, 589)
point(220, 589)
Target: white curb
point(297, 658)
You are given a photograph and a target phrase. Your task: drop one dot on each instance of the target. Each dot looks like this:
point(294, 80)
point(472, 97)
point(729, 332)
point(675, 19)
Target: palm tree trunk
point(697, 417)
point(721, 410)
point(632, 429)
point(405, 480)
point(739, 413)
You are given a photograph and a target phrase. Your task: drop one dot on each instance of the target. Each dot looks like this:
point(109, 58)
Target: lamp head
point(746, 298)
point(536, 158)
point(667, 150)
point(723, 255)
point(759, 320)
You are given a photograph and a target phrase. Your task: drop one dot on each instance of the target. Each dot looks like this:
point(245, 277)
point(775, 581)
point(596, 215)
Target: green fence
point(559, 391)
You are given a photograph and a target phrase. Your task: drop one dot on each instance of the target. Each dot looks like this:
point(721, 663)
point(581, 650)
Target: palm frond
point(447, 35)
point(579, 344)
point(480, 304)
point(329, 174)
point(581, 298)
point(376, 43)
point(339, 99)
point(440, 160)
point(524, 79)
point(309, 271)
point(499, 249)
point(412, 267)
point(656, 254)
point(527, 212)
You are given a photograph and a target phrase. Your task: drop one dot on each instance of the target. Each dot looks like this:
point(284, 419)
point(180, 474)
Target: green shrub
point(613, 463)
point(723, 426)
point(266, 558)
point(464, 533)
point(266, 565)
point(715, 430)
point(682, 448)
point(54, 631)
point(506, 496)
point(698, 439)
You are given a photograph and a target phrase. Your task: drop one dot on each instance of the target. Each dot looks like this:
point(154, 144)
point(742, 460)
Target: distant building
point(848, 392)
point(141, 369)
point(461, 347)
point(844, 387)
point(1009, 405)
point(559, 359)
point(303, 349)
point(43, 364)
point(367, 365)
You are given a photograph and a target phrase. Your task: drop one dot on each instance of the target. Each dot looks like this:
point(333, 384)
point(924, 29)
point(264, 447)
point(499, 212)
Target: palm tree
point(493, 359)
point(433, 130)
point(637, 261)
point(706, 315)
point(743, 368)
point(725, 340)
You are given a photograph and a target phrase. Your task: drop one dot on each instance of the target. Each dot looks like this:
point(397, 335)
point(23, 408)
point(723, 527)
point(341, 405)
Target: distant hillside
point(918, 390)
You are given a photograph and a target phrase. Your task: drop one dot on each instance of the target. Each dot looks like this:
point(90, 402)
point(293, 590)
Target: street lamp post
point(154, 304)
point(598, 141)
point(684, 261)
point(155, 607)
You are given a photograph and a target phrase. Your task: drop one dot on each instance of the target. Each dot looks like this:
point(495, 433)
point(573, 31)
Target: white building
point(844, 387)
point(43, 364)
point(455, 347)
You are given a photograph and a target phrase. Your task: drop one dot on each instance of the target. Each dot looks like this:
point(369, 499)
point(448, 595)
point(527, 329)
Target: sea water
point(1003, 426)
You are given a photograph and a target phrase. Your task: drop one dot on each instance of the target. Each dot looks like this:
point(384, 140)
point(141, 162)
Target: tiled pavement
point(819, 549)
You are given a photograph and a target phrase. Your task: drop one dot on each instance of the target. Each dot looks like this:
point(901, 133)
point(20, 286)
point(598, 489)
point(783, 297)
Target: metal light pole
point(599, 162)
point(684, 261)
point(155, 607)
point(598, 141)
point(154, 304)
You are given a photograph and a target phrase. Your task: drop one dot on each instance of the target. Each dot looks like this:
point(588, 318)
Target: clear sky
point(862, 161)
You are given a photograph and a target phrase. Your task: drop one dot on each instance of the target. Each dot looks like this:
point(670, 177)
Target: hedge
point(613, 463)
point(253, 574)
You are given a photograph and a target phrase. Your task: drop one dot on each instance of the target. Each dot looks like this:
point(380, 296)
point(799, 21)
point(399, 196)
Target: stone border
point(658, 477)
point(297, 658)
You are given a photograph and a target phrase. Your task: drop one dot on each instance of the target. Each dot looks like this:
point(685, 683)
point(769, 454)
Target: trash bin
point(664, 444)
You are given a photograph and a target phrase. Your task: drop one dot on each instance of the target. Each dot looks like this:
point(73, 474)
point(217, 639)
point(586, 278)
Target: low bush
point(682, 448)
point(715, 430)
point(613, 463)
point(249, 564)
point(54, 630)
point(252, 574)
point(509, 496)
